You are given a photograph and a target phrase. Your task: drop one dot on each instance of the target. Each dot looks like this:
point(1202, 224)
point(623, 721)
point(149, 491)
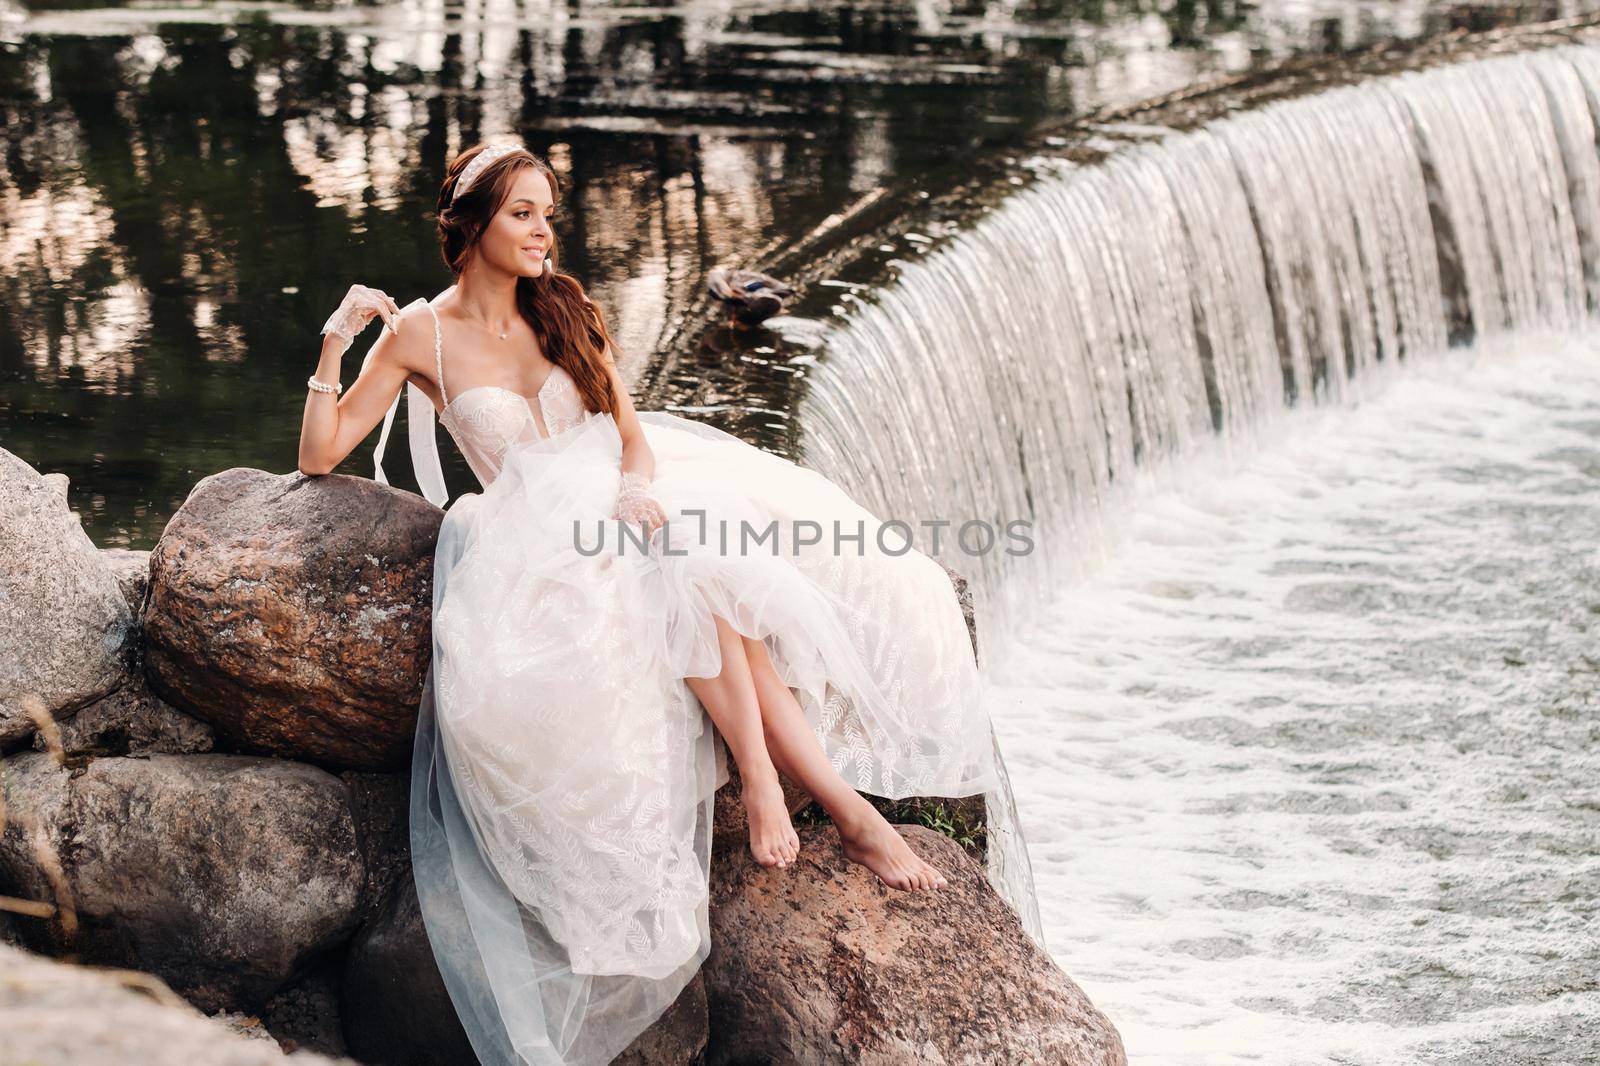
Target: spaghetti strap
point(419, 427)
point(438, 357)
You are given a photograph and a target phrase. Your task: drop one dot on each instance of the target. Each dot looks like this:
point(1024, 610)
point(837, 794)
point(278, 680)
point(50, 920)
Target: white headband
point(479, 162)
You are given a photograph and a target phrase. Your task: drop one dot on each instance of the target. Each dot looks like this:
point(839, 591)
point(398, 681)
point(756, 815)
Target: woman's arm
point(634, 503)
point(637, 458)
point(334, 425)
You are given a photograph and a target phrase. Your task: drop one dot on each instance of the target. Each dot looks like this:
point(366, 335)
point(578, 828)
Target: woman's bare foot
point(773, 840)
point(871, 841)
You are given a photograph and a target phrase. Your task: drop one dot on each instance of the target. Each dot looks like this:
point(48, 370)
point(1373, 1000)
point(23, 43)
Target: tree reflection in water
point(184, 195)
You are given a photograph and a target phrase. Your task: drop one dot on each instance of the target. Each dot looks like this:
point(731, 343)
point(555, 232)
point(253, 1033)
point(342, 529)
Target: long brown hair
point(571, 330)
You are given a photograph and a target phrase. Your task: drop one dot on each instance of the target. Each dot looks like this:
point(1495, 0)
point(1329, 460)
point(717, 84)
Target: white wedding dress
point(564, 773)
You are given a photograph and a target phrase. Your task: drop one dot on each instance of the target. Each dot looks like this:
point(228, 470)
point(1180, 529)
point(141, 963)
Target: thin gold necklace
point(503, 336)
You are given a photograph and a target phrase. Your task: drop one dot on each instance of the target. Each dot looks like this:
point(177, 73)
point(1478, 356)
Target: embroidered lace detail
point(563, 404)
point(610, 853)
point(485, 422)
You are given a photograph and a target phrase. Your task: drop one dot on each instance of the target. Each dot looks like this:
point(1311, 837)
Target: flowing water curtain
point(1573, 81)
point(1488, 132)
point(1108, 317)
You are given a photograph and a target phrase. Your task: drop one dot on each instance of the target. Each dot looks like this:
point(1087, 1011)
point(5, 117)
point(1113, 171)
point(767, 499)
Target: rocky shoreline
point(205, 752)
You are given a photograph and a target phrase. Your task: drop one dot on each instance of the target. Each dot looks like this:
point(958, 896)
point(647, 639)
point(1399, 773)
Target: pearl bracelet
point(323, 386)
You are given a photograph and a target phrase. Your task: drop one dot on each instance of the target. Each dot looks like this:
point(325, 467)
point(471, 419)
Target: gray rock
point(379, 803)
point(56, 1014)
point(65, 628)
point(293, 614)
point(132, 571)
point(822, 963)
point(59, 484)
point(968, 607)
point(131, 721)
point(222, 874)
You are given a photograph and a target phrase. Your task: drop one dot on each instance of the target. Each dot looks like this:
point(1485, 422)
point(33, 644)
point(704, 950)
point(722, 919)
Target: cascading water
point(1299, 706)
point(1112, 315)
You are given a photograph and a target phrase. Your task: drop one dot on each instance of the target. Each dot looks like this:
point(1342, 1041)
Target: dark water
point(186, 193)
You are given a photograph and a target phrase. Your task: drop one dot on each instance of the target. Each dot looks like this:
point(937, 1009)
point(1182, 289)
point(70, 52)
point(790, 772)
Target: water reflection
point(186, 193)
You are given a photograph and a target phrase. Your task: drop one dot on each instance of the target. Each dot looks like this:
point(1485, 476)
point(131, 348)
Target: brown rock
point(56, 1014)
point(822, 963)
point(293, 613)
point(223, 874)
point(65, 630)
point(678, 1037)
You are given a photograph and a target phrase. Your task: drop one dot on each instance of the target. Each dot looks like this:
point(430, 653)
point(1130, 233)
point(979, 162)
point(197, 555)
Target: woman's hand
point(635, 505)
point(361, 305)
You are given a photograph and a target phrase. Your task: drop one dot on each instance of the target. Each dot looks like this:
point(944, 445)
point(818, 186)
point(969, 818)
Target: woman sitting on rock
point(563, 778)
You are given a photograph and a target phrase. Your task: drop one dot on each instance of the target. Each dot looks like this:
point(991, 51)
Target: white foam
point(1306, 764)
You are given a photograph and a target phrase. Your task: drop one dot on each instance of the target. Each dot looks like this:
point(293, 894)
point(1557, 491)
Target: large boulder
point(56, 1014)
point(822, 963)
point(398, 1013)
point(131, 720)
point(223, 874)
point(293, 614)
point(65, 628)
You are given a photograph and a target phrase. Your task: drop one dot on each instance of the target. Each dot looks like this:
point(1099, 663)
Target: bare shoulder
point(411, 346)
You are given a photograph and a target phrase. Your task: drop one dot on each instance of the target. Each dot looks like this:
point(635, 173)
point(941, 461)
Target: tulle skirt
point(564, 773)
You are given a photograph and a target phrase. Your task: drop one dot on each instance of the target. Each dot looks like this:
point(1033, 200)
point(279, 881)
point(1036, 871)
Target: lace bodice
point(483, 420)
point(486, 420)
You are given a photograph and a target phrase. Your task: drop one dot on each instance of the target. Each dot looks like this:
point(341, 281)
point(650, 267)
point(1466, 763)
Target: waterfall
point(1107, 318)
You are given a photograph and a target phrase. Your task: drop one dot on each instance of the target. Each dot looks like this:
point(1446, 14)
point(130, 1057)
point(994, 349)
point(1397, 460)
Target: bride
point(599, 593)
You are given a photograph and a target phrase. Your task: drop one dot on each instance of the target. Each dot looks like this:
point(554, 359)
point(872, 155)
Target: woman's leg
point(730, 699)
point(868, 839)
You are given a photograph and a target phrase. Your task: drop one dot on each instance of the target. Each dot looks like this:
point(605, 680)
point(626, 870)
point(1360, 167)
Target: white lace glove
point(635, 505)
point(361, 305)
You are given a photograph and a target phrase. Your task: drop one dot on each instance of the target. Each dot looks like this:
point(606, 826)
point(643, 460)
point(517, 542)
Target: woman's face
point(519, 236)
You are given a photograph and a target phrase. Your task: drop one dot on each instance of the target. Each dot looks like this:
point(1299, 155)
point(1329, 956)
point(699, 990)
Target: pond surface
point(187, 190)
